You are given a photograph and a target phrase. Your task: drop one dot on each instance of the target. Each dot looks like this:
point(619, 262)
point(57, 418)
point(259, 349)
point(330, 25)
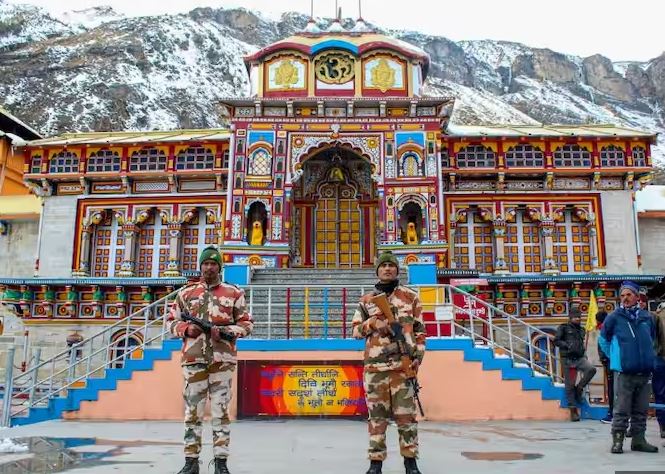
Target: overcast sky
point(620, 29)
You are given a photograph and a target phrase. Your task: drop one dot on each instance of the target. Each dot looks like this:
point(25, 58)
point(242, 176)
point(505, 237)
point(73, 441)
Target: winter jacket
point(570, 341)
point(629, 341)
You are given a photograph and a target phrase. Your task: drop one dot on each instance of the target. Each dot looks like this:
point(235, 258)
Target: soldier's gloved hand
point(415, 365)
point(193, 331)
point(381, 326)
point(221, 334)
point(396, 329)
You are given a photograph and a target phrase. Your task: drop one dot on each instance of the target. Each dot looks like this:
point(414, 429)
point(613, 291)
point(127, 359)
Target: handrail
point(290, 310)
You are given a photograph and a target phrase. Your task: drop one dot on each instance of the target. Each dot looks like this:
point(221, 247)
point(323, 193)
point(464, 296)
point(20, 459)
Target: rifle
point(206, 326)
point(381, 301)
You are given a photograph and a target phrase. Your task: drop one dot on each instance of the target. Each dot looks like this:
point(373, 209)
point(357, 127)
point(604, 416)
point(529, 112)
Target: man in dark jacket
point(570, 341)
point(609, 379)
point(628, 337)
point(658, 382)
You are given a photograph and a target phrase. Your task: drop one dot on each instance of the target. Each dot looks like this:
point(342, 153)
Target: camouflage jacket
point(222, 305)
point(382, 352)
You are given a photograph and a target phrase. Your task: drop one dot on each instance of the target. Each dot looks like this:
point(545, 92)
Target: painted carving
point(286, 74)
point(383, 76)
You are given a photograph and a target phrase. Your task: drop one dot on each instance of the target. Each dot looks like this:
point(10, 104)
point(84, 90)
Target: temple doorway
point(335, 212)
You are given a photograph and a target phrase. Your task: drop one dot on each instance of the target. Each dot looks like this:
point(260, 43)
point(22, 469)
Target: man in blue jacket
point(628, 337)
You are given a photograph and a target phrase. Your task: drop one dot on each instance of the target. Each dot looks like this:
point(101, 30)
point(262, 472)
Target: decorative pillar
point(25, 301)
point(498, 296)
point(129, 231)
point(146, 295)
point(121, 301)
point(549, 298)
point(547, 229)
point(49, 300)
point(575, 298)
point(72, 296)
point(524, 300)
point(499, 232)
point(601, 299)
point(175, 238)
point(451, 242)
point(97, 301)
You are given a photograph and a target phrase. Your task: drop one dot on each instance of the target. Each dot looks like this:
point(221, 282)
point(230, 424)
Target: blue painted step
point(90, 392)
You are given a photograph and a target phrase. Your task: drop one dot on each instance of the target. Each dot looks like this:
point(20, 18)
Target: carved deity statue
point(256, 237)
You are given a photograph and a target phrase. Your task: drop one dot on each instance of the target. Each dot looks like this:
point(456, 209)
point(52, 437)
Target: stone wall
point(18, 249)
point(652, 247)
point(619, 230)
point(58, 233)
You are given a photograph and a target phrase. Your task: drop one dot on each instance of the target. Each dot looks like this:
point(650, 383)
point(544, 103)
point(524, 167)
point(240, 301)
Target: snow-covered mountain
point(98, 70)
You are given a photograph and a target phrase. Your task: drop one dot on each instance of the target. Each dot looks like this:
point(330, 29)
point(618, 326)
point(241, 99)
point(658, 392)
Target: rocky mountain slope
point(98, 70)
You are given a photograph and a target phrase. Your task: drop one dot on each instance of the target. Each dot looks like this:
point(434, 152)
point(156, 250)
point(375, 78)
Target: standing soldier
point(388, 391)
point(209, 358)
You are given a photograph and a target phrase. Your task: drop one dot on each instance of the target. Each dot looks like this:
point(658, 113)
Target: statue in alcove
point(256, 238)
point(411, 234)
point(410, 223)
point(257, 223)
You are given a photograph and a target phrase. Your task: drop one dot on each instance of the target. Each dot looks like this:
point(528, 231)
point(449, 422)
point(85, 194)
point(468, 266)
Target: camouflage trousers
point(389, 395)
point(201, 381)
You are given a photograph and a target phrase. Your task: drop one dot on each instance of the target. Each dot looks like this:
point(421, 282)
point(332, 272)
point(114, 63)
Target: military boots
point(410, 466)
point(375, 467)
point(191, 466)
point(220, 466)
point(639, 443)
point(617, 442)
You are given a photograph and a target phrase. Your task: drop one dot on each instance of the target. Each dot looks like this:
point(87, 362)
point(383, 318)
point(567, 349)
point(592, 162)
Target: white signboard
point(444, 312)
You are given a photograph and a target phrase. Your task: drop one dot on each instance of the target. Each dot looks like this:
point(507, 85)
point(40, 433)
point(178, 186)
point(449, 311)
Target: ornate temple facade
point(334, 156)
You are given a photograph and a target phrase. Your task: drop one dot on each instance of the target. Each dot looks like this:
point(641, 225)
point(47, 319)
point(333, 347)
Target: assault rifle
point(381, 301)
point(206, 326)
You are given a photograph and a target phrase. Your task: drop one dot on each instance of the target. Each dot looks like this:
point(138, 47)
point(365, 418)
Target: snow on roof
point(651, 198)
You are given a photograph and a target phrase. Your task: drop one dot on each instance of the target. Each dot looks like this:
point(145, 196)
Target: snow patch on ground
point(7, 445)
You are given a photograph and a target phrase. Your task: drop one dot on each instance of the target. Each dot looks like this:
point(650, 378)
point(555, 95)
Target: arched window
point(525, 156)
point(522, 244)
point(153, 247)
point(411, 164)
point(639, 156)
point(195, 158)
point(36, 164)
point(260, 163)
point(104, 161)
point(108, 247)
point(148, 159)
point(198, 232)
point(474, 247)
point(476, 156)
point(572, 244)
point(571, 156)
point(126, 345)
point(64, 162)
point(612, 156)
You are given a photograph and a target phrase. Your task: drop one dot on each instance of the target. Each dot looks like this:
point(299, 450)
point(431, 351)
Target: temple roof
point(590, 130)
point(356, 43)
point(11, 125)
point(125, 138)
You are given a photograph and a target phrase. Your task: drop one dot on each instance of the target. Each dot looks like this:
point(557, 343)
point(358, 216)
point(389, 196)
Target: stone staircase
point(306, 303)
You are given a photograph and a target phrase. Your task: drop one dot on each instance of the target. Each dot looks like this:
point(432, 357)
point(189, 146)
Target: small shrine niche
point(257, 223)
point(411, 223)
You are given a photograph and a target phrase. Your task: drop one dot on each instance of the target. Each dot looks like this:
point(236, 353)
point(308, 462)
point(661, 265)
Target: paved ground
point(327, 447)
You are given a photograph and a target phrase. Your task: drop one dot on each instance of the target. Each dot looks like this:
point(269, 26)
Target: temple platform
point(326, 447)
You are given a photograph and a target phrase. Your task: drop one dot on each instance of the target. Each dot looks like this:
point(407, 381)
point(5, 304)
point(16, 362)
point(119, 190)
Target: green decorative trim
point(49, 295)
point(98, 295)
point(122, 296)
point(72, 295)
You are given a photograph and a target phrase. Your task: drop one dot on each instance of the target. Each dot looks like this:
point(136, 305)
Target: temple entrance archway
point(335, 211)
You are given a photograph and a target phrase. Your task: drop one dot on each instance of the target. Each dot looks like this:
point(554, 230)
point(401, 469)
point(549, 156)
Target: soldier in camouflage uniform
point(387, 391)
point(209, 360)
